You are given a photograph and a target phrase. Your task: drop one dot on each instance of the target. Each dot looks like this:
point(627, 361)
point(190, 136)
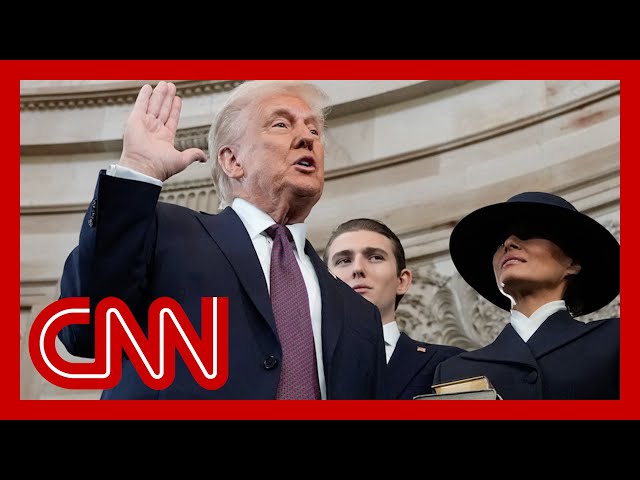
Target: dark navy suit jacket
point(563, 360)
point(412, 366)
point(138, 249)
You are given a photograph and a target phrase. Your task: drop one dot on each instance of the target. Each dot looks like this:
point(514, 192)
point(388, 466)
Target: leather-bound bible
point(473, 388)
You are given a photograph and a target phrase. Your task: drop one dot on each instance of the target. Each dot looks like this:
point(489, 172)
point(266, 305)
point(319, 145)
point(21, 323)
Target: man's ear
point(229, 162)
point(404, 282)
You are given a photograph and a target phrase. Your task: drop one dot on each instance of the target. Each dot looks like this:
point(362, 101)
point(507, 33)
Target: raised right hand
point(148, 145)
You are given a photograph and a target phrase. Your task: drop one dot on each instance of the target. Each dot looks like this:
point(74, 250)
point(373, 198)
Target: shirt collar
point(256, 222)
point(526, 327)
point(391, 333)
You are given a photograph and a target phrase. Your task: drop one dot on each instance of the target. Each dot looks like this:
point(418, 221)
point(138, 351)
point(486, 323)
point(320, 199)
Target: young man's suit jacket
point(412, 366)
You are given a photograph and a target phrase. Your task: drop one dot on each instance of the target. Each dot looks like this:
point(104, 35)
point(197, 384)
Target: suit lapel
point(332, 309)
point(556, 331)
point(227, 230)
point(405, 363)
point(508, 347)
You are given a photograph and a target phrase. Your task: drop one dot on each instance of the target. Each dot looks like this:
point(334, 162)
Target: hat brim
point(475, 238)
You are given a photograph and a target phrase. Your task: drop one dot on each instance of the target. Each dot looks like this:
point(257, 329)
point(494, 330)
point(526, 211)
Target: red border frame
point(14, 408)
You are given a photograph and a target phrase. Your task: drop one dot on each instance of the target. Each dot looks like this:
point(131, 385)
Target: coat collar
point(405, 363)
point(556, 331)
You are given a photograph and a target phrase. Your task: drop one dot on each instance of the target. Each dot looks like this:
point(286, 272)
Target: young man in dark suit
point(267, 149)
point(369, 257)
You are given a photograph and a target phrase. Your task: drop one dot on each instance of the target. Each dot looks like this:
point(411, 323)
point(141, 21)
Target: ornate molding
point(195, 137)
point(189, 185)
point(119, 96)
point(198, 197)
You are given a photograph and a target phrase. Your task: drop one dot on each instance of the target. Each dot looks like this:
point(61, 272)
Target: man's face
point(281, 152)
point(364, 260)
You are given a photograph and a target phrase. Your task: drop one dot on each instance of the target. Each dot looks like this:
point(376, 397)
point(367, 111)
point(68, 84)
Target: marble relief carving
point(428, 312)
point(445, 310)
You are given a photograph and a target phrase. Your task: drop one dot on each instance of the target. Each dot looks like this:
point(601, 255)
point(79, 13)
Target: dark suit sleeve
point(112, 258)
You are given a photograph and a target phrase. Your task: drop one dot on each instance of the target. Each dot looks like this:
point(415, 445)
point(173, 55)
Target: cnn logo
point(117, 331)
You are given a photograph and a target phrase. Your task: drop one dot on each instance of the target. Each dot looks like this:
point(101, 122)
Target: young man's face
point(364, 260)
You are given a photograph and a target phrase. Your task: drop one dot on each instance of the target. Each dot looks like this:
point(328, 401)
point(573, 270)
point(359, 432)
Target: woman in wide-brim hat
point(543, 261)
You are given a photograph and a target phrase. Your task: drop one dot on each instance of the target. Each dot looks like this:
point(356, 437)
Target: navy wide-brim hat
point(475, 239)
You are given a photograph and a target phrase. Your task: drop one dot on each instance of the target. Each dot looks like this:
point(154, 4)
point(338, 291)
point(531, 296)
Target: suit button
point(270, 362)
point(91, 222)
point(532, 377)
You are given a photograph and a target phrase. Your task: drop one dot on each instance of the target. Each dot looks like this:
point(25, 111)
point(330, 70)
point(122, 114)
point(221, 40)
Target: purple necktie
point(290, 303)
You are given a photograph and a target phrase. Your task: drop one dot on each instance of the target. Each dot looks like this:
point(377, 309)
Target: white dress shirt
point(391, 334)
point(256, 222)
point(527, 326)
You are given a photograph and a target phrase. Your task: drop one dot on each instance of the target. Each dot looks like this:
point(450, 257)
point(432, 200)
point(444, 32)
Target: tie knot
point(276, 229)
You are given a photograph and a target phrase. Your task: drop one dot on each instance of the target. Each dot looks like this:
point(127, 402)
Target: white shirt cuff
point(125, 172)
